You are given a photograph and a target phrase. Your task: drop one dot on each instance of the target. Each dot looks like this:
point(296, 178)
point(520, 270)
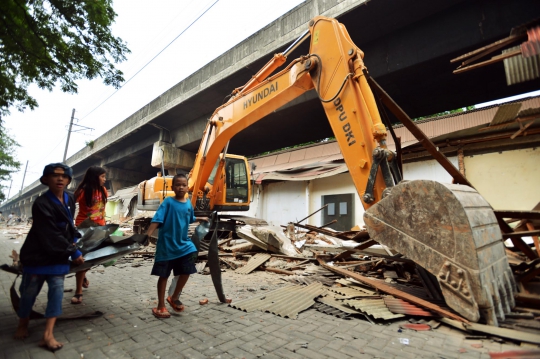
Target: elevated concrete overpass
point(408, 45)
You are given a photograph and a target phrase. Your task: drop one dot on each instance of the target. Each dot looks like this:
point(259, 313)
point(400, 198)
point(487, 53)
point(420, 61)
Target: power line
point(47, 155)
point(148, 63)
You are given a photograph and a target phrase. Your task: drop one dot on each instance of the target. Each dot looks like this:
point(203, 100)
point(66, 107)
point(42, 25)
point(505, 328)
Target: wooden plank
point(348, 253)
point(530, 227)
point(520, 336)
point(383, 287)
point(279, 271)
point(517, 242)
point(521, 234)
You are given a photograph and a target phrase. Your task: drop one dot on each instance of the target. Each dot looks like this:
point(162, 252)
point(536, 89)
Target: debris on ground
point(351, 276)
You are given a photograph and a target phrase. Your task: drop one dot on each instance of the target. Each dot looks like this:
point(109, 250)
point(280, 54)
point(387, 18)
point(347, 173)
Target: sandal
point(177, 305)
point(85, 283)
point(161, 313)
point(77, 299)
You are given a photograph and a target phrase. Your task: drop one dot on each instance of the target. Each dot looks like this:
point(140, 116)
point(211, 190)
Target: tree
point(458, 110)
point(8, 165)
point(55, 41)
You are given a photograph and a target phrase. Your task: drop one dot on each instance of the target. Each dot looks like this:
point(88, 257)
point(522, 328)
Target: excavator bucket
point(451, 231)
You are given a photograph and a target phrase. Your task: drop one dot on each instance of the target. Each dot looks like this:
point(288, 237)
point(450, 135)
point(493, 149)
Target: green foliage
point(55, 41)
point(458, 110)
point(90, 143)
point(8, 164)
point(295, 146)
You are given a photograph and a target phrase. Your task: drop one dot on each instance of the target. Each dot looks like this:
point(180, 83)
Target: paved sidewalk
point(126, 295)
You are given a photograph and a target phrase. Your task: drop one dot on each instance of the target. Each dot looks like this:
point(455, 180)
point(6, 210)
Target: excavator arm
point(334, 68)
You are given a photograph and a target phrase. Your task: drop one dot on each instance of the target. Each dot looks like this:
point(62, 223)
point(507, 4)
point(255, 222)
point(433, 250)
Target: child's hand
point(78, 261)
point(203, 219)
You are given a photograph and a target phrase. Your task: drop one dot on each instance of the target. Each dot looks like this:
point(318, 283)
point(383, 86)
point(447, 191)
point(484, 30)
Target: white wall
point(283, 202)
point(507, 180)
point(428, 170)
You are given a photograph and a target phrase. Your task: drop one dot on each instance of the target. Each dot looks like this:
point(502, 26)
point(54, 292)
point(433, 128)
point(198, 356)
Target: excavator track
point(452, 232)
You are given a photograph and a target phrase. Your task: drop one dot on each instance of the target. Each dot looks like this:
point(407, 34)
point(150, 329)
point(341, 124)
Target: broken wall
point(507, 180)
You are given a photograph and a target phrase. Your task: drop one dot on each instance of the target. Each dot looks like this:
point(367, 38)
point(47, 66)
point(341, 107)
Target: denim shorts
point(181, 265)
point(31, 285)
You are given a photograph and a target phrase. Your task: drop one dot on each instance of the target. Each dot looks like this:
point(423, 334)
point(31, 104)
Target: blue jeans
point(31, 285)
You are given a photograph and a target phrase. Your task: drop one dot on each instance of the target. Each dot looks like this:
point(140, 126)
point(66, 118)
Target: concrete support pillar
point(172, 157)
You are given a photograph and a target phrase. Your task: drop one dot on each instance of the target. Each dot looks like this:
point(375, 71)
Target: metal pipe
point(296, 43)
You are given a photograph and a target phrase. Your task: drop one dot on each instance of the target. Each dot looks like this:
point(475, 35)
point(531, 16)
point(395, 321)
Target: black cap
point(49, 169)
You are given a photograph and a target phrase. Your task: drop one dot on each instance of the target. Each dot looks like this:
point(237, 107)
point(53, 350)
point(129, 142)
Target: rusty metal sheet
point(521, 354)
point(285, 302)
point(532, 46)
point(253, 263)
point(384, 287)
point(373, 307)
point(415, 326)
point(396, 305)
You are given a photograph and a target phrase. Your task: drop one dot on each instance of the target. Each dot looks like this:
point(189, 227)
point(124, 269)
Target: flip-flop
point(177, 305)
point(85, 283)
point(49, 348)
point(77, 299)
point(161, 313)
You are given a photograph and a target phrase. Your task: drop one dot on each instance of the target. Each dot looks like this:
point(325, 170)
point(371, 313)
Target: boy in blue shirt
point(46, 251)
point(174, 251)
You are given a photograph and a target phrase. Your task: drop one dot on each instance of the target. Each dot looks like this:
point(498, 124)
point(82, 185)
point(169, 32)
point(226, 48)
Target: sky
point(147, 28)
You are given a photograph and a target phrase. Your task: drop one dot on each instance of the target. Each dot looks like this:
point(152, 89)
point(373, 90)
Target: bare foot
point(22, 329)
point(51, 344)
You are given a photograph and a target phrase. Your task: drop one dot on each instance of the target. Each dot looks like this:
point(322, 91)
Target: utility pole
point(9, 191)
point(69, 134)
point(24, 176)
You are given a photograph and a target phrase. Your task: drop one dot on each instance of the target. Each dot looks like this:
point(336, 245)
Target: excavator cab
point(229, 184)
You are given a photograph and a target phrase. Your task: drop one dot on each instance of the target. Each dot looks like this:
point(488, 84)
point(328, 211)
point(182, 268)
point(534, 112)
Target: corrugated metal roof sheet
point(373, 307)
point(286, 302)
point(319, 160)
point(326, 309)
point(359, 286)
point(529, 112)
point(506, 113)
point(350, 292)
point(396, 305)
point(329, 300)
point(253, 263)
point(520, 69)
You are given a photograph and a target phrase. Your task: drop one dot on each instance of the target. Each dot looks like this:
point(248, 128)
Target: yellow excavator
point(448, 229)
